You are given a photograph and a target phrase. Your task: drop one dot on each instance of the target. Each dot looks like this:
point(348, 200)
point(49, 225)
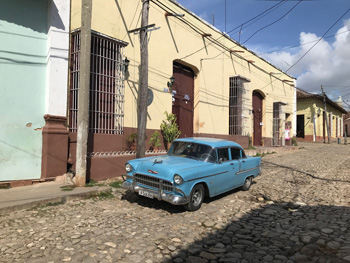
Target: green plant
point(250, 143)
point(294, 142)
point(155, 140)
point(67, 187)
point(102, 195)
point(131, 141)
point(131, 138)
point(116, 184)
point(169, 128)
point(5, 186)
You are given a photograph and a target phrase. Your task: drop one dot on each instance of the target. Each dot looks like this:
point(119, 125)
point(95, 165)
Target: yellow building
point(311, 117)
point(221, 88)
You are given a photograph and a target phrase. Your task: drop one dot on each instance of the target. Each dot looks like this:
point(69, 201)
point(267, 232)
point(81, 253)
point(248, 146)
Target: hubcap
point(197, 196)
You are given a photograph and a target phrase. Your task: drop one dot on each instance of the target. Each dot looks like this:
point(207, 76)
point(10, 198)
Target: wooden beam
point(236, 51)
point(206, 35)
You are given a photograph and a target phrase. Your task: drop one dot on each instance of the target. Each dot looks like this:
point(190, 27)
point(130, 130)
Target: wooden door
point(183, 96)
point(301, 126)
point(257, 117)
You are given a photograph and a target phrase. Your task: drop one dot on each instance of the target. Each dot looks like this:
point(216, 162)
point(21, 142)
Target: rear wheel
point(196, 198)
point(247, 184)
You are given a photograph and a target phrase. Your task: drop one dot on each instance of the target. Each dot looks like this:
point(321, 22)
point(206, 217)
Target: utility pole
point(346, 135)
point(83, 93)
point(325, 109)
point(142, 92)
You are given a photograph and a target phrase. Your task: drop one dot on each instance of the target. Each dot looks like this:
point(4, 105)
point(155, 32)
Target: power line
point(290, 10)
point(258, 17)
point(223, 35)
point(277, 50)
point(318, 41)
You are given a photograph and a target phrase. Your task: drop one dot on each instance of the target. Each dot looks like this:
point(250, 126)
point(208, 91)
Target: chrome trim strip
point(247, 170)
point(167, 197)
point(206, 176)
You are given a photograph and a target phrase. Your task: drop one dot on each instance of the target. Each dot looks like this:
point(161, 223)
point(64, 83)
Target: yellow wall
point(309, 107)
point(175, 40)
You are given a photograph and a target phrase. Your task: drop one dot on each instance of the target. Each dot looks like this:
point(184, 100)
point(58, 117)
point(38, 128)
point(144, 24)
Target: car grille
point(152, 182)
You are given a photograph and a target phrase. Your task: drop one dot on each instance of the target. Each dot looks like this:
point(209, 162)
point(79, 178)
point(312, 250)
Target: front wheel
point(196, 198)
point(247, 184)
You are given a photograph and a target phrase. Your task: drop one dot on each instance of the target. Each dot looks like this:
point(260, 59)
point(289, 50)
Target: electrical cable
point(290, 10)
point(223, 35)
point(318, 40)
point(258, 17)
point(277, 50)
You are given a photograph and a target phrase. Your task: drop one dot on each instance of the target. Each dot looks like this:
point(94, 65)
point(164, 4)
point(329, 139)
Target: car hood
point(166, 166)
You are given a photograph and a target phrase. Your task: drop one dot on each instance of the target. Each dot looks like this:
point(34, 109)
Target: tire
point(196, 198)
point(247, 183)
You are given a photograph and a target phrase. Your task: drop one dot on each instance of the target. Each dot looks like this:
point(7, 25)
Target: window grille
point(276, 124)
point(106, 105)
point(236, 106)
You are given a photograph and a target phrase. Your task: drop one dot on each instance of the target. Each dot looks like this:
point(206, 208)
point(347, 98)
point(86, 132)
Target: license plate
point(146, 194)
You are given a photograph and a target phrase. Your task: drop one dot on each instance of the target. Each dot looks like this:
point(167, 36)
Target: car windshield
point(196, 151)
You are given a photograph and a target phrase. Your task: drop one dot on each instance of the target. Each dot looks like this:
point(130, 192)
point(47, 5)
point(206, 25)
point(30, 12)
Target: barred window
point(276, 123)
point(236, 106)
point(106, 105)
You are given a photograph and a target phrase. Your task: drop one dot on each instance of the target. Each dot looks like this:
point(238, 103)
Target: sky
point(308, 39)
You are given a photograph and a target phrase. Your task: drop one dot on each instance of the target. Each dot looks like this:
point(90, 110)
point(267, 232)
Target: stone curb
point(271, 150)
point(61, 199)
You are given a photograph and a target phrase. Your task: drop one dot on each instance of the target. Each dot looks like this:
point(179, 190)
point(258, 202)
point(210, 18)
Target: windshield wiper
point(192, 157)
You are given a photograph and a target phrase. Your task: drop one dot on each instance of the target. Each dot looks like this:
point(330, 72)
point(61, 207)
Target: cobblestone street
point(297, 211)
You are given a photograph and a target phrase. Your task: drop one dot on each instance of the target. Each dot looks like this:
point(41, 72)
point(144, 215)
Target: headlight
point(128, 167)
point(178, 179)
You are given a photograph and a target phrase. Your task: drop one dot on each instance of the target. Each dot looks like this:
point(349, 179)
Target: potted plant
point(170, 129)
point(131, 141)
point(155, 141)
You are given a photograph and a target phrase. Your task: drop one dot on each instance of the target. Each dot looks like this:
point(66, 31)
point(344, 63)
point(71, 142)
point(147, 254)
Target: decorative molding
point(121, 153)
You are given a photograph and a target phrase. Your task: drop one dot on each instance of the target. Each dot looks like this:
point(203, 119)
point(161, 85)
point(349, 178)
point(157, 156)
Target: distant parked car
point(192, 169)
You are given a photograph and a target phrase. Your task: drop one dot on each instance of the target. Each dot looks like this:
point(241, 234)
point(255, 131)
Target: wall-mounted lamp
point(126, 64)
point(171, 83)
point(318, 112)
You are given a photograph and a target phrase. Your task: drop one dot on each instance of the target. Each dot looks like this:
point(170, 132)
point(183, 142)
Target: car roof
point(217, 143)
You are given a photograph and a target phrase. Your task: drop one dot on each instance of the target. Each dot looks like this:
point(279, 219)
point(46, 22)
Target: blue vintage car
point(192, 169)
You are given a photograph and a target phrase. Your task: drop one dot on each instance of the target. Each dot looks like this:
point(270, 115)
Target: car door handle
point(232, 164)
point(243, 161)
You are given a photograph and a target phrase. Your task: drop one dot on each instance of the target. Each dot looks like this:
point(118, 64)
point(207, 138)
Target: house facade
point(221, 89)
point(346, 121)
point(34, 73)
point(311, 117)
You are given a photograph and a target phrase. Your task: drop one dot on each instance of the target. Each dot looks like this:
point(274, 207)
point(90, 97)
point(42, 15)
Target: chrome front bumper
point(160, 194)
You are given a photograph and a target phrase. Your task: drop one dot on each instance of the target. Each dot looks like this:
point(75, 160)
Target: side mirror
point(220, 160)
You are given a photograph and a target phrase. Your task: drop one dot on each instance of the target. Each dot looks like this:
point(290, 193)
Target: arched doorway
point(257, 117)
point(183, 98)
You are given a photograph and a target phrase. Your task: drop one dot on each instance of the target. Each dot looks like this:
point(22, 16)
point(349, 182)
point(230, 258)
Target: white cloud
point(204, 16)
point(326, 64)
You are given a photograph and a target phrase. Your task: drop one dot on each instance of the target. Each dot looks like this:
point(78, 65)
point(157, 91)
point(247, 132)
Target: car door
point(227, 168)
point(239, 156)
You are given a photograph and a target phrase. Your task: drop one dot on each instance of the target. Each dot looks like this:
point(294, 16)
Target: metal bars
point(276, 124)
point(74, 82)
point(153, 182)
point(106, 105)
point(236, 106)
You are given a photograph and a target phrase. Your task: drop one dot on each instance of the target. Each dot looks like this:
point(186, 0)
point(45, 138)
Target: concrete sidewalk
point(26, 197)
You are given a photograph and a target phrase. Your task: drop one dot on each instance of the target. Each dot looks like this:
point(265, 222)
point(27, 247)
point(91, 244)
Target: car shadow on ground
point(174, 209)
point(281, 232)
point(133, 197)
